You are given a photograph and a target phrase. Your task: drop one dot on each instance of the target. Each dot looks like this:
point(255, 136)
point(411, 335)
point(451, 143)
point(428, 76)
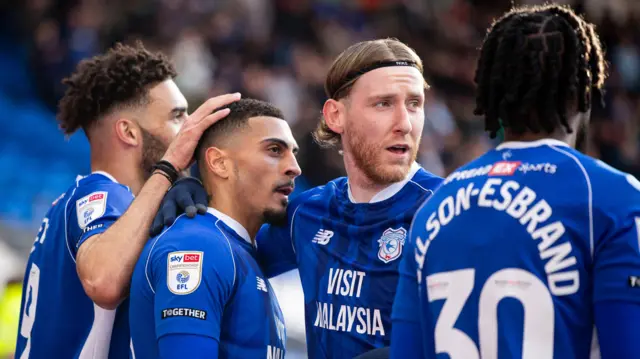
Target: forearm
point(105, 263)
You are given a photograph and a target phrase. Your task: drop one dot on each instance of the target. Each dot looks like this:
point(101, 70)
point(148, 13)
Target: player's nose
point(292, 169)
point(402, 121)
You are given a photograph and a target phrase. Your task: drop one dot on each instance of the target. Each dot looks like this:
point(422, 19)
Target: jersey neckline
point(231, 223)
point(530, 144)
point(388, 191)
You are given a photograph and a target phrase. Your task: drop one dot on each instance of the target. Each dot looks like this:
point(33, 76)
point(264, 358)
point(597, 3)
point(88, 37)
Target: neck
point(575, 120)
point(225, 203)
point(558, 134)
point(119, 166)
point(362, 187)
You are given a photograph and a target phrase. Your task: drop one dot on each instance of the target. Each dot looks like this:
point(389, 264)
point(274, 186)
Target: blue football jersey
point(58, 320)
point(347, 254)
point(200, 277)
point(512, 252)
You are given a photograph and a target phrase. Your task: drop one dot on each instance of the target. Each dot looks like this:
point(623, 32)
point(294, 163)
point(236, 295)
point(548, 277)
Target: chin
point(389, 173)
point(276, 217)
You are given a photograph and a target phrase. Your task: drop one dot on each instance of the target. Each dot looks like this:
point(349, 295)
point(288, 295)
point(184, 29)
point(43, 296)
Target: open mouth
point(285, 190)
point(398, 149)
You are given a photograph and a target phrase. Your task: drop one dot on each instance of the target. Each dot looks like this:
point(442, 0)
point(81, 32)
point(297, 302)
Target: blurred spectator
point(195, 64)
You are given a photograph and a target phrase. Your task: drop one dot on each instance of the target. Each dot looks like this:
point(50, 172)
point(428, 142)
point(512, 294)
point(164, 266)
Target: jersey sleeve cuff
point(91, 231)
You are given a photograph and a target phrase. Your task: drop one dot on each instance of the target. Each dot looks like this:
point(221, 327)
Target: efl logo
point(191, 258)
point(504, 168)
point(184, 271)
point(96, 197)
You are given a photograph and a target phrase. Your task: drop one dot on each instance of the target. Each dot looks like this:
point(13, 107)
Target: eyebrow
point(386, 96)
point(282, 143)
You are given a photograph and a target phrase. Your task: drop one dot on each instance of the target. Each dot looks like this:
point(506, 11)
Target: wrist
point(170, 161)
point(167, 170)
point(163, 175)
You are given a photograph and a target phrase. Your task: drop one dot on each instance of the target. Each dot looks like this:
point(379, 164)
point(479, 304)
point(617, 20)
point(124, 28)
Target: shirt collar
point(231, 223)
point(105, 174)
point(391, 190)
point(529, 144)
point(102, 173)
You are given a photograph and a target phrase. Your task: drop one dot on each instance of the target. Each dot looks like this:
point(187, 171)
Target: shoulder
point(189, 252)
point(608, 186)
point(196, 241)
point(317, 194)
point(200, 232)
point(332, 187)
point(426, 180)
point(612, 189)
point(479, 167)
point(95, 196)
point(96, 183)
point(97, 191)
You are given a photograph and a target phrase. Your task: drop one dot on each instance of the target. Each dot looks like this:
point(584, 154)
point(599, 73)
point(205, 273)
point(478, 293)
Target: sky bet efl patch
point(184, 271)
point(91, 207)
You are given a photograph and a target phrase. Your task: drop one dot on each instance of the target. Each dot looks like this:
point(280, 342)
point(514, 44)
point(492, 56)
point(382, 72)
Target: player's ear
point(333, 112)
point(217, 162)
point(128, 132)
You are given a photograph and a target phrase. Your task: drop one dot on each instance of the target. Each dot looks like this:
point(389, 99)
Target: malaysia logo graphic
point(391, 244)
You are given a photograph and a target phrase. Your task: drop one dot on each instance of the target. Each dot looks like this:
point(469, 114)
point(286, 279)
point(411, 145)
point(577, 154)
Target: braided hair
point(536, 61)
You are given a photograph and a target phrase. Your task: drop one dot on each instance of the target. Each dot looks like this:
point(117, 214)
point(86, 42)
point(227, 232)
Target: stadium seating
point(37, 161)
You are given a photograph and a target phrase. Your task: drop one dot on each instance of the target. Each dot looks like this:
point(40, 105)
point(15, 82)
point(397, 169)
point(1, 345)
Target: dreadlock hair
point(535, 61)
point(119, 78)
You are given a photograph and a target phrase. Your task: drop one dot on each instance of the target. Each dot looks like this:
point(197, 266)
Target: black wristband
point(168, 169)
point(161, 173)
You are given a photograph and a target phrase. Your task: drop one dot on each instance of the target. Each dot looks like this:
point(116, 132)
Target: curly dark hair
point(534, 62)
point(120, 77)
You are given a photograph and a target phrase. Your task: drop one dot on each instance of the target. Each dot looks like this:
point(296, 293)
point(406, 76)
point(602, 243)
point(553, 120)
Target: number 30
point(536, 301)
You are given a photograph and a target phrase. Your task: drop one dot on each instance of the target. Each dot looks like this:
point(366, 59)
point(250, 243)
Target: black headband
point(357, 73)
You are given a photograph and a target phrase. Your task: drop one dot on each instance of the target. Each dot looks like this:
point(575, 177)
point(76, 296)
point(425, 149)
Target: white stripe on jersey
point(595, 345)
point(96, 346)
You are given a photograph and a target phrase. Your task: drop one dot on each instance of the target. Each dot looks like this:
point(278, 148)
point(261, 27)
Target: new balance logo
point(261, 284)
point(322, 237)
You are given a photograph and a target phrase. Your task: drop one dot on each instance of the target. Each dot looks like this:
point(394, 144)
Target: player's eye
point(383, 103)
point(180, 116)
point(414, 104)
point(275, 150)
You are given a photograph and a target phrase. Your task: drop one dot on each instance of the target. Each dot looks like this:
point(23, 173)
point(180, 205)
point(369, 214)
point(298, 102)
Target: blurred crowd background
point(275, 50)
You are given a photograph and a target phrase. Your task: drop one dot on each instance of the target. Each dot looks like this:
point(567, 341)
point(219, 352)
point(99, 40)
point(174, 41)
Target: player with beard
point(80, 265)
point(346, 237)
point(197, 290)
point(533, 248)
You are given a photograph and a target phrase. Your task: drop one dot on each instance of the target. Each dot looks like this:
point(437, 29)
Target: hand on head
point(180, 151)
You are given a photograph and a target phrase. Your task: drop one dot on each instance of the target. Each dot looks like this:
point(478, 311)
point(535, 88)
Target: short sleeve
point(193, 280)
point(616, 252)
point(95, 210)
point(276, 243)
point(617, 260)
